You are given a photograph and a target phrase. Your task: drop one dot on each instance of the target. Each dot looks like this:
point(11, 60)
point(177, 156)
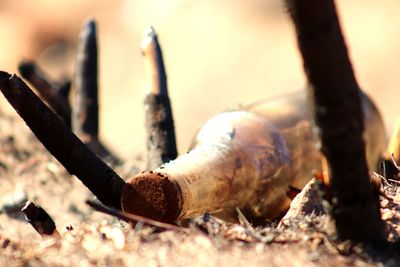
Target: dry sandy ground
point(88, 238)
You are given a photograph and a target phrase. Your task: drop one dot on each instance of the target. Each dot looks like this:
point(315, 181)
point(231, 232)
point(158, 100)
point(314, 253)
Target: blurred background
point(218, 54)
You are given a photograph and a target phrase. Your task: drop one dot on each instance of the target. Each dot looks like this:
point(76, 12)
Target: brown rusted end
point(152, 195)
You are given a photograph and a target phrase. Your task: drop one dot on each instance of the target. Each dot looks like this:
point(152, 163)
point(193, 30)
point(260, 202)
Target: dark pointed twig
point(338, 114)
point(161, 143)
point(39, 219)
point(131, 217)
point(85, 116)
point(99, 178)
point(56, 98)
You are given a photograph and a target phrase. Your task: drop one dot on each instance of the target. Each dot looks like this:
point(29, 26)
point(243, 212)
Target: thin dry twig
point(129, 217)
point(394, 161)
point(244, 220)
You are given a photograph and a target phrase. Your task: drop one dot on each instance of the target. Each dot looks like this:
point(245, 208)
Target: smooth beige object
point(244, 158)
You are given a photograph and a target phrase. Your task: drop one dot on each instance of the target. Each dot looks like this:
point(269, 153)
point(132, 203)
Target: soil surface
point(89, 238)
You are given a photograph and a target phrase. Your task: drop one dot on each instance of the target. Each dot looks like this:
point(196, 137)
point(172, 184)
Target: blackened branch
point(338, 115)
point(85, 118)
point(98, 177)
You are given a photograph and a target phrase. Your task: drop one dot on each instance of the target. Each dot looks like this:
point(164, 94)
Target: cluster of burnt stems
point(332, 87)
point(70, 130)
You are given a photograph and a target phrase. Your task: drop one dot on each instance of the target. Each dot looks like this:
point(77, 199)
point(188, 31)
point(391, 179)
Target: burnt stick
point(338, 115)
point(75, 156)
point(161, 141)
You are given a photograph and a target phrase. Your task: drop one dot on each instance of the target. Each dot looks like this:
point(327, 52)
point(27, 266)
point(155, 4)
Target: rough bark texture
point(99, 178)
point(132, 218)
point(161, 144)
point(338, 114)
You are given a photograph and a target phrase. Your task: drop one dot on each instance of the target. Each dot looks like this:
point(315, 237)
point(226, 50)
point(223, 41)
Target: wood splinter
point(161, 143)
point(75, 156)
point(306, 203)
point(57, 98)
point(85, 114)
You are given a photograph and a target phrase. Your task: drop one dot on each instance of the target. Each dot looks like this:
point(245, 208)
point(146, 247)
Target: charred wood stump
point(338, 115)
